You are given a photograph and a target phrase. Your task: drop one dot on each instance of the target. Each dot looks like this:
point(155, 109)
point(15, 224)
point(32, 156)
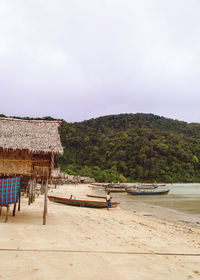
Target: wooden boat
point(145, 186)
point(116, 185)
point(96, 196)
point(113, 189)
point(82, 203)
point(147, 192)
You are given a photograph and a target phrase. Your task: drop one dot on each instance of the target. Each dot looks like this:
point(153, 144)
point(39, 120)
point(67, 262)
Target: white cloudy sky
point(81, 59)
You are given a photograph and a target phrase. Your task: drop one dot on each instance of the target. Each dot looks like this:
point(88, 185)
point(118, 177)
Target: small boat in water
point(145, 186)
point(147, 191)
point(116, 185)
point(116, 188)
point(82, 203)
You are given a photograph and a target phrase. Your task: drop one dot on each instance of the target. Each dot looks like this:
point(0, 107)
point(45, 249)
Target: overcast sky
point(83, 59)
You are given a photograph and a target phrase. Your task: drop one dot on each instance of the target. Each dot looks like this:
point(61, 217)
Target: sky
point(76, 60)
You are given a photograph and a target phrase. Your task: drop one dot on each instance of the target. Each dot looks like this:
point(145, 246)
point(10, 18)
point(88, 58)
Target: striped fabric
point(9, 190)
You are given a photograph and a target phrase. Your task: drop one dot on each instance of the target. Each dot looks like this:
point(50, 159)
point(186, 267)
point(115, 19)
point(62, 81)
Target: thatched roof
point(33, 135)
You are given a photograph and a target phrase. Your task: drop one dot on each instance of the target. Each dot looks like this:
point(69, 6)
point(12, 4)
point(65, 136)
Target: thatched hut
point(28, 149)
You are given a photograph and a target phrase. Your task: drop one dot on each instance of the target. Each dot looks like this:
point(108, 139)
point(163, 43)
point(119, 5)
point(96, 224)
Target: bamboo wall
point(15, 162)
point(41, 165)
point(24, 163)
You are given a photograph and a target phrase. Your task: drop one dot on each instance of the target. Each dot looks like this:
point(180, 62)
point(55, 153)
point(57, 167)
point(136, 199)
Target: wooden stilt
point(14, 208)
point(45, 202)
point(7, 213)
point(19, 200)
point(42, 187)
point(34, 188)
point(31, 187)
point(29, 192)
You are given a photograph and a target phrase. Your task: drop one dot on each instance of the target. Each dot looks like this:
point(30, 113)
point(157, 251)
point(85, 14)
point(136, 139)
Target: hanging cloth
point(9, 190)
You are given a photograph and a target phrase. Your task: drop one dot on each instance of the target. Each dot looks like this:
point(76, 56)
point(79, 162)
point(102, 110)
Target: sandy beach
point(84, 243)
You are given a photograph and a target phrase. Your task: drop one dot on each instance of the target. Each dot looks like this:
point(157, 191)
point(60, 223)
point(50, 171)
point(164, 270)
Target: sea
point(181, 205)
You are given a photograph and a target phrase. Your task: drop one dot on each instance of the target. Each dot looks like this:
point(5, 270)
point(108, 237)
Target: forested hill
point(132, 147)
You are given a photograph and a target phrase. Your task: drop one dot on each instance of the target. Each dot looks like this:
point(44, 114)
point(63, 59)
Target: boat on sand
point(96, 196)
point(82, 203)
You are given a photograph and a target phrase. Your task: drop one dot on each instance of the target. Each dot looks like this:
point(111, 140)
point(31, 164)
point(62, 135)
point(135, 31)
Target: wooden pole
point(14, 208)
point(32, 187)
point(19, 200)
point(27, 189)
point(0, 210)
point(7, 213)
point(51, 166)
point(29, 192)
point(45, 202)
point(42, 187)
point(33, 190)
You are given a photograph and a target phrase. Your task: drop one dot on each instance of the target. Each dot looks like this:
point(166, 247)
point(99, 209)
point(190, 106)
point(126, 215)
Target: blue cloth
point(109, 203)
point(9, 190)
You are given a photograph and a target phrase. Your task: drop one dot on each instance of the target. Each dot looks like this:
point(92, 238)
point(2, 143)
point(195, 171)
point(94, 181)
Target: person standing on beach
point(108, 199)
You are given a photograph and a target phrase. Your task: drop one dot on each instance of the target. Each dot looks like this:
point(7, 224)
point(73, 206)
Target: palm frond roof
point(33, 135)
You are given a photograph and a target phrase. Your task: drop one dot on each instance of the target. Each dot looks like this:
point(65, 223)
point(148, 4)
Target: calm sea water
point(181, 204)
point(182, 197)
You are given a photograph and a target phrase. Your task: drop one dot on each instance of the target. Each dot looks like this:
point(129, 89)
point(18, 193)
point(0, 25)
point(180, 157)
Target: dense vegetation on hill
point(132, 147)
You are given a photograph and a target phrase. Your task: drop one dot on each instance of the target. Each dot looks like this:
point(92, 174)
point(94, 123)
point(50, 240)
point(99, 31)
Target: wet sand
point(84, 243)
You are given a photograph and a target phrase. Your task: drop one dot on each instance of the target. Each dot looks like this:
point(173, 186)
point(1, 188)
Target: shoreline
point(86, 243)
point(167, 215)
point(159, 212)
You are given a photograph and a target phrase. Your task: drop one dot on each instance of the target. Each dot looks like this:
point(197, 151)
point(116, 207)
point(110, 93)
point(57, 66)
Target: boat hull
point(82, 203)
point(137, 192)
point(96, 196)
point(117, 190)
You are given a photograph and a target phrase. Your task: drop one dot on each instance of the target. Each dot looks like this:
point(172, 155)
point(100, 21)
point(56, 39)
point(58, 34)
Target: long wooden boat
point(82, 203)
point(113, 189)
point(96, 196)
point(147, 192)
point(116, 185)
